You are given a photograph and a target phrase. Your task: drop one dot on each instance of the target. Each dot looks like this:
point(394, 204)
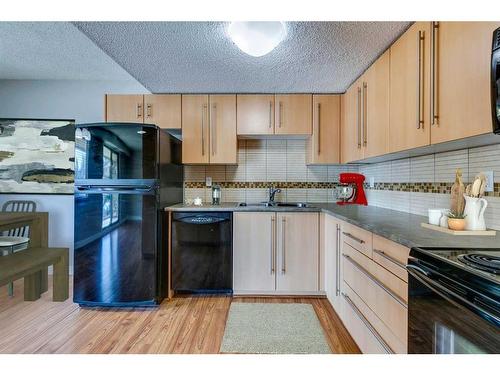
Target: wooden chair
point(16, 239)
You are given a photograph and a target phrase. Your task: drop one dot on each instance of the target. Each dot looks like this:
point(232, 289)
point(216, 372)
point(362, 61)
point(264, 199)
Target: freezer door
point(106, 152)
point(116, 256)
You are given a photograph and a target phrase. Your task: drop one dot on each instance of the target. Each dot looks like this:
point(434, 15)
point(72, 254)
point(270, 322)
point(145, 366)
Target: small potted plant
point(456, 220)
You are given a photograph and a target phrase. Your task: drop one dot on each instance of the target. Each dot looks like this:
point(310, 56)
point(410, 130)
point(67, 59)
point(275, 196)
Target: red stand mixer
point(350, 189)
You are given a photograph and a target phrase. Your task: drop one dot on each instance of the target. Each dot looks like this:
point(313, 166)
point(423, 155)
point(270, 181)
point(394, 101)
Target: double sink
point(275, 204)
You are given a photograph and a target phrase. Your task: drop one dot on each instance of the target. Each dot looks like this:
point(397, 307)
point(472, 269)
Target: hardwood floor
point(183, 325)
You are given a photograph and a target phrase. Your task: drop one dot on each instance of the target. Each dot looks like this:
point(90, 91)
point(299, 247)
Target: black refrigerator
point(125, 175)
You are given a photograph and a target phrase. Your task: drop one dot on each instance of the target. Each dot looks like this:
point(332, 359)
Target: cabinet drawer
point(391, 256)
point(363, 333)
point(358, 238)
point(386, 278)
point(385, 303)
point(383, 333)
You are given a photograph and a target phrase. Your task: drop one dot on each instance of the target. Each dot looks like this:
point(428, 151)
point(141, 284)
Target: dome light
point(257, 38)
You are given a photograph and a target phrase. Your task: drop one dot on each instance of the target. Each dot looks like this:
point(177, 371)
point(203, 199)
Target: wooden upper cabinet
point(195, 129)
point(351, 138)
point(223, 142)
point(324, 145)
point(255, 114)
point(163, 110)
point(293, 114)
point(124, 108)
point(375, 94)
point(409, 125)
point(462, 105)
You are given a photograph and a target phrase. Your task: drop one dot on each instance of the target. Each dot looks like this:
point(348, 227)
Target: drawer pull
point(389, 258)
point(353, 237)
point(370, 276)
point(379, 338)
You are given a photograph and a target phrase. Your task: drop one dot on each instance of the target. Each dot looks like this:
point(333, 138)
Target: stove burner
point(488, 263)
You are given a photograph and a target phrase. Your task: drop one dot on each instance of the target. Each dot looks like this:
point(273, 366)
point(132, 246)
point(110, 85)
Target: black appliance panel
point(495, 81)
point(116, 151)
point(446, 315)
point(116, 257)
point(202, 258)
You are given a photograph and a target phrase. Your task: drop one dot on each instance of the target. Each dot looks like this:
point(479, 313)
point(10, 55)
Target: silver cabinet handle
point(280, 114)
point(368, 325)
point(270, 114)
point(149, 110)
point(213, 127)
point(203, 108)
point(365, 113)
point(420, 117)
point(319, 128)
point(378, 283)
point(283, 245)
point(435, 72)
point(390, 259)
point(359, 116)
point(273, 241)
point(139, 110)
point(337, 276)
point(347, 234)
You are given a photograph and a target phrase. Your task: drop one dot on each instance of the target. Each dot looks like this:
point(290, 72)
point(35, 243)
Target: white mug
point(435, 215)
point(197, 201)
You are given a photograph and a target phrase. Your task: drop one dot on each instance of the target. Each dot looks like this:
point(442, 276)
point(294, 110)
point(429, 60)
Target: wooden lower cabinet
point(372, 296)
point(275, 253)
point(330, 240)
point(254, 263)
point(297, 252)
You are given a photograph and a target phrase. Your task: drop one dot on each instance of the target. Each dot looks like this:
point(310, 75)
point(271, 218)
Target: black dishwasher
point(202, 252)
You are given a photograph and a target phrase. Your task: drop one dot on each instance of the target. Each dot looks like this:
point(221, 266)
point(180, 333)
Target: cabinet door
point(351, 142)
point(409, 125)
point(376, 107)
point(324, 145)
point(254, 258)
point(463, 69)
point(297, 252)
point(195, 133)
point(163, 110)
point(124, 108)
point(293, 114)
point(223, 143)
point(255, 114)
point(333, 277)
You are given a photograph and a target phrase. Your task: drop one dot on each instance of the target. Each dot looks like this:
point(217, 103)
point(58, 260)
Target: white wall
point(80, 100)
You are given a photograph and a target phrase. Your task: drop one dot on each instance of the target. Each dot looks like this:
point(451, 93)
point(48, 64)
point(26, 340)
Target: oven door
point(443, 320)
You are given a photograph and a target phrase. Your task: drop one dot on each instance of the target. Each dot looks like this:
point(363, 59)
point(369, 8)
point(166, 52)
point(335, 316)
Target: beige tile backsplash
point(435, 168)
point(285, 161)
point(266, 161)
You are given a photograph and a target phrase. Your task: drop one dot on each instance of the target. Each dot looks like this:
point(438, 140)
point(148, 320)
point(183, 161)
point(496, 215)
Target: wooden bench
point(31, 264)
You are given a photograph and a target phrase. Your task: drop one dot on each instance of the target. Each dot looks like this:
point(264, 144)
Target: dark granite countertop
point(400, 227)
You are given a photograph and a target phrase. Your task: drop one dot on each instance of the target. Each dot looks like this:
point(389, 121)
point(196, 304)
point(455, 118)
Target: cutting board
point(487, 232)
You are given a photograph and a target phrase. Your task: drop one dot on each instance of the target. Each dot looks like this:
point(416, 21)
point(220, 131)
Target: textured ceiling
point(53, 50)
point(199, 57)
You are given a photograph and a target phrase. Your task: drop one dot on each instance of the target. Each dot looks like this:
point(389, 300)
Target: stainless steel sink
point(274, 204)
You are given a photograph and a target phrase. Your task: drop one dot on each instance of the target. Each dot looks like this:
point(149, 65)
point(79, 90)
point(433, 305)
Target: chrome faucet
point(272, 193)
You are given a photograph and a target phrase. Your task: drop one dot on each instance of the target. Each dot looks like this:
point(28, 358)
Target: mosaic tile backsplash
point(417, 184)
point(410, 185)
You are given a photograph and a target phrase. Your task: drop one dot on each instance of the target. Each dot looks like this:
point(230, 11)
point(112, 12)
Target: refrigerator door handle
point(116, 188)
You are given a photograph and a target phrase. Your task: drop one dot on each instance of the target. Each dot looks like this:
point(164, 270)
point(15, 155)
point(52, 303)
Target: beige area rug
point(273, 328)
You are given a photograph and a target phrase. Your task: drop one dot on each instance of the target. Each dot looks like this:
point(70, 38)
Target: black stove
point(453, 300)
point(483, 262)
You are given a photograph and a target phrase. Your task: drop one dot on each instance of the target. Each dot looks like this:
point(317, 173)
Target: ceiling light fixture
point(257, 38)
